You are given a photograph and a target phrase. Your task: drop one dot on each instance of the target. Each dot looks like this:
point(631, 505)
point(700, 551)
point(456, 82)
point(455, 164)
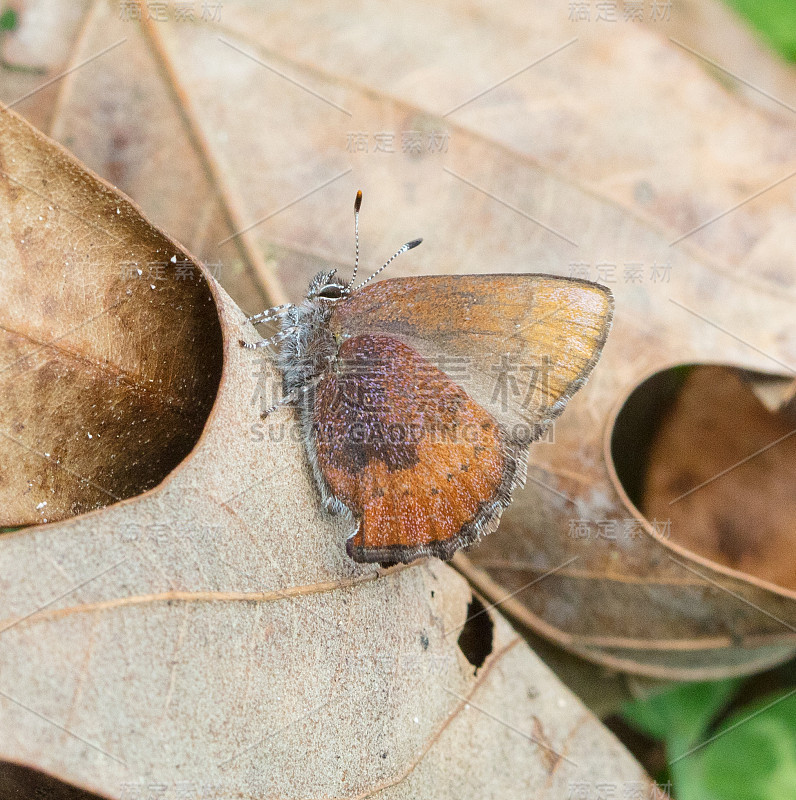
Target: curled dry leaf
point(108, 367)
point(711, 281)
point(624, 192)
point(210, 636)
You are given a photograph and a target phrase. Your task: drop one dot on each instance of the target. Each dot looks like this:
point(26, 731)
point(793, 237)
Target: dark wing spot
point(364, 439)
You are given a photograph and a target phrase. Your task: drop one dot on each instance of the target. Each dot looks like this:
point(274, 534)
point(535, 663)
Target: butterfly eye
point(331, 292)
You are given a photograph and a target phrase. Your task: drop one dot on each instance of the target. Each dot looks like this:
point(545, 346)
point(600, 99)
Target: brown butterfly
point(418, 397)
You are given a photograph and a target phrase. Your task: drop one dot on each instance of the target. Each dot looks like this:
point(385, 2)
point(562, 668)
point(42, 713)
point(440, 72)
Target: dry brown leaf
point(209, 637)
point(730, 50)
point(109, 340)
point(742, 518)
point(613, 137)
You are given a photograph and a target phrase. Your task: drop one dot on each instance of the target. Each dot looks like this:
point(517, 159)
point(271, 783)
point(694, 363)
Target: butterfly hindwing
point(423, 467)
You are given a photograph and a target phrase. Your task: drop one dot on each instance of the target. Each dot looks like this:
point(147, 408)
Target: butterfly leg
point(292, 397)
point(270, 313)
point(288, 399)
point(277, 337)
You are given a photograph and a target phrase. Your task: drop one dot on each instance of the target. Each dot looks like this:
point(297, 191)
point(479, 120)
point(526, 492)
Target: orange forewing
point(513, 322)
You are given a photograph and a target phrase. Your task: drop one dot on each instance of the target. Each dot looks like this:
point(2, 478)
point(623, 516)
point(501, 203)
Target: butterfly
point(418, 397)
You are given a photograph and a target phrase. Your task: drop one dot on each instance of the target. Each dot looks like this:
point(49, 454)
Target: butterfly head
point(326, 286)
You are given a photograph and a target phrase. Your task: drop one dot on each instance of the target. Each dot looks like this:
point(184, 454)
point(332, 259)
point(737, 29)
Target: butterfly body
point(308, 345)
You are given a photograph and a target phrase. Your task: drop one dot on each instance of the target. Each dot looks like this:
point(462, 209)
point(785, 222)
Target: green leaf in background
point(680, 718)
point(8, 19)
point(681, 714)
point(750, 756)
point(753, 756)
point(775, 19)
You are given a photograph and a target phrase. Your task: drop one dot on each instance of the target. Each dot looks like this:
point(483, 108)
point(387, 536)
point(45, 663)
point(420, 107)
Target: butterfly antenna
point(357, 206)
point(407, 246)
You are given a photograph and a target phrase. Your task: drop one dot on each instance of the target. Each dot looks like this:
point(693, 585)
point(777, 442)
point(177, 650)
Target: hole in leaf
point(475, 640)
point(706, 453)
point(636, 426)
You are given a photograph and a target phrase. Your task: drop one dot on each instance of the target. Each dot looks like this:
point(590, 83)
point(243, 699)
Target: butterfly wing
point(519, 345)
point(422, 429)
point(422, 466)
